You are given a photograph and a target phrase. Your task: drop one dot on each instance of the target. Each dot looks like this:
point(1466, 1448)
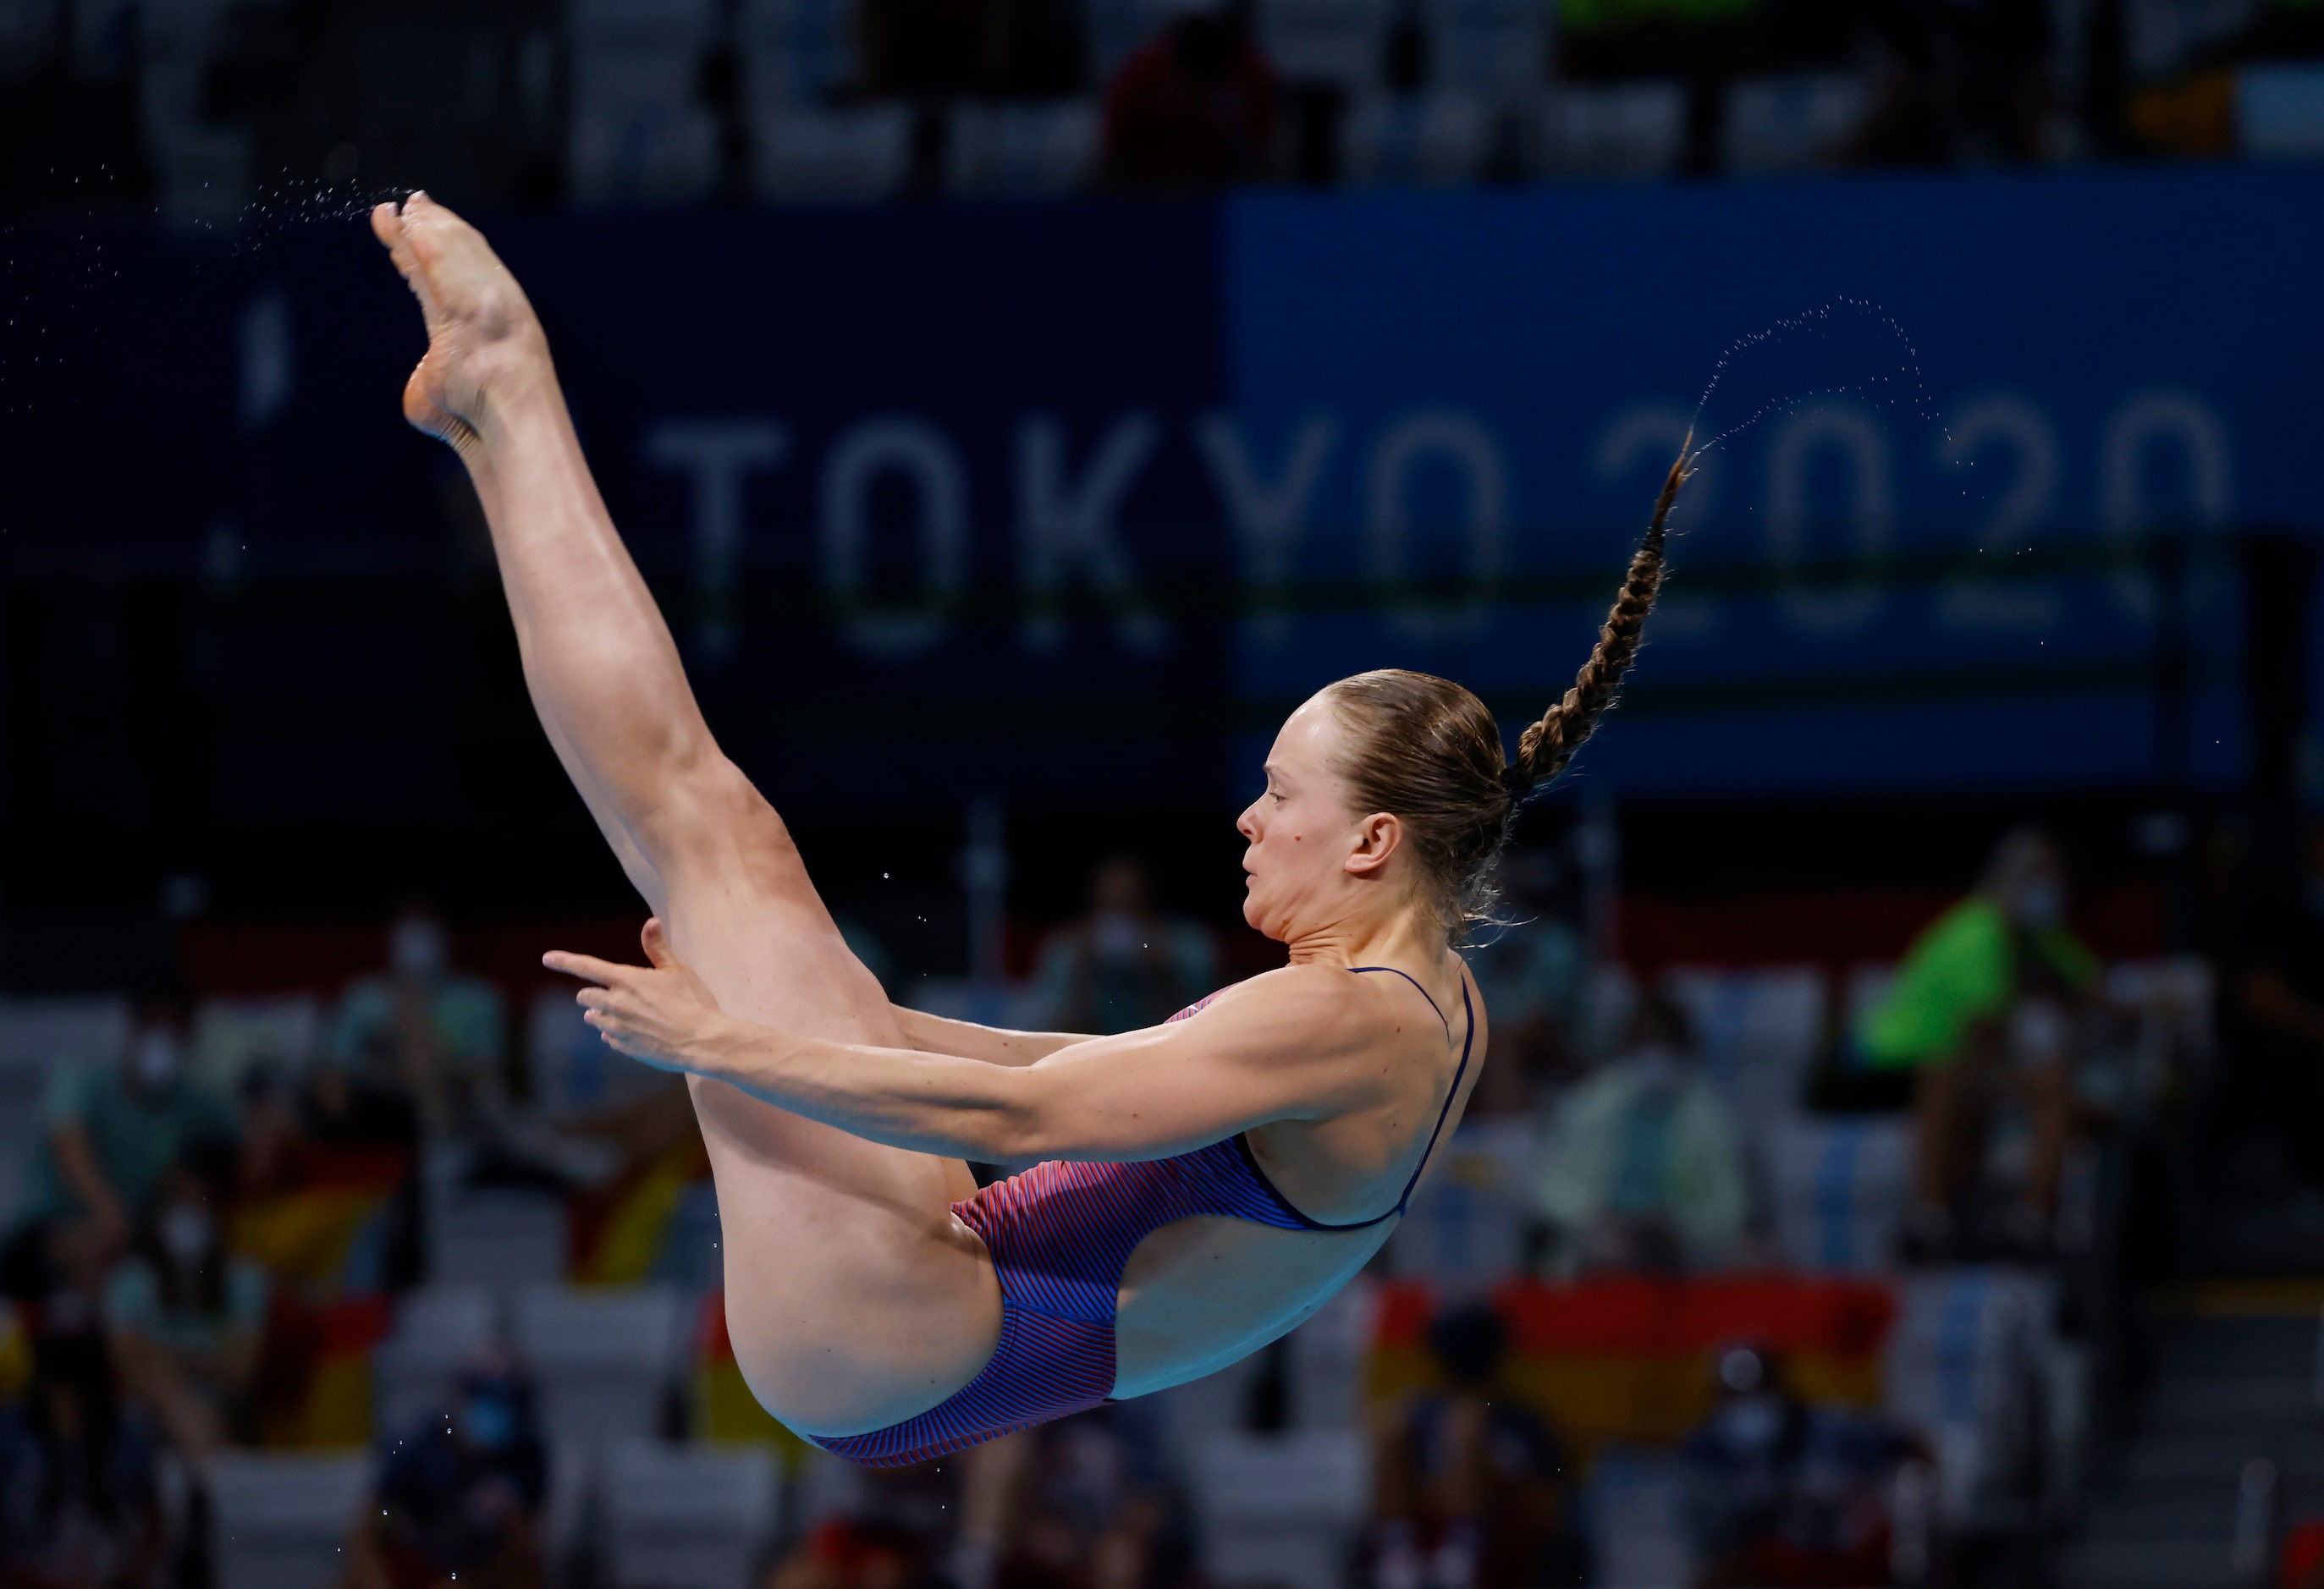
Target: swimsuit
point(1060, 1235)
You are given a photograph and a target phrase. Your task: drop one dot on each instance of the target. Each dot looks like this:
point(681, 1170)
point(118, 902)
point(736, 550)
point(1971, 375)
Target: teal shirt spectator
point(468, 1021)
point(135, 1133)
point(134, 1304)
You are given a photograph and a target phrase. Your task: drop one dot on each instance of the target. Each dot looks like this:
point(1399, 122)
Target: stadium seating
point(416, 1370)
point(687, 1517)
point(496, 1236)
point(605, 1361)
point(1838, 1187)
point(281, 1521)
point(1793, 121)
point(1617, 129)
point(1280, 1510)
point(1758, 1031)
point(2280, 110)
point(1973, 1362)
point(1023, 148)
point(231, 1035)
point(1325, 40)
point(1415, 140)
point(638, 132)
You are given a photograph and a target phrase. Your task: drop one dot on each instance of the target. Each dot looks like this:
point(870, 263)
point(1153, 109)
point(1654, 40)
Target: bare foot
point(482, 335)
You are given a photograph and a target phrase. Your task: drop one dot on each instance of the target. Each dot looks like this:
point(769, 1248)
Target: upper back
point(1359, 1168)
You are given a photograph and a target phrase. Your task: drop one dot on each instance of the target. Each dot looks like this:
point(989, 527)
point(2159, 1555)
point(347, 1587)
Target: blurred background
point(1900, 1160)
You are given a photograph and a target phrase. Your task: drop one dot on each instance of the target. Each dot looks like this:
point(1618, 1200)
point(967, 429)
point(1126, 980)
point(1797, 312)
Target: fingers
point(658, 953)
point(587, 967)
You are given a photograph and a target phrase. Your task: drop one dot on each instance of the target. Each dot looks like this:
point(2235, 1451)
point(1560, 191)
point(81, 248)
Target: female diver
point(1204, 1185)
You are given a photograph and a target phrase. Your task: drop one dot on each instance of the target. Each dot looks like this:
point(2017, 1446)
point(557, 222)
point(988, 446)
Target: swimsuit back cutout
point(1060, 1235)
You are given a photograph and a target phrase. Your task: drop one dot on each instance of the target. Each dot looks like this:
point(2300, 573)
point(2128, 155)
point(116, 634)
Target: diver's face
point(1300, 830)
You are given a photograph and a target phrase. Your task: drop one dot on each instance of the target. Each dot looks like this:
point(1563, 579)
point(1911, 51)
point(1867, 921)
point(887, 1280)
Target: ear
point(1378, 836)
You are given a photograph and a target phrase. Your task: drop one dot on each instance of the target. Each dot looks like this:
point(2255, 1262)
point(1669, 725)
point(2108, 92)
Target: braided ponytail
point(1545, 746)
point(1427, 750)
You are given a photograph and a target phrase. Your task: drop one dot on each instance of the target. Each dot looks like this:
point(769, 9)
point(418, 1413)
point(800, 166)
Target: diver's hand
point(661, 1012)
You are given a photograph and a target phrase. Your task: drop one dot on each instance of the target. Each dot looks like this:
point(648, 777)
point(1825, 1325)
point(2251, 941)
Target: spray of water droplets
point(1838, 321)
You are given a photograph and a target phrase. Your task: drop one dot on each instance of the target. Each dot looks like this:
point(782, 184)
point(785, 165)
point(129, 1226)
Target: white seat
point(1758, 1031)
point(1617, 129)
point(1281, 1510)
point(1329, 1356)
point(605, 1360)
point(1868, 988)
point(1493, 49)
point(570, 1072)
point(1839, 1185)
point(2280, 110)
point(1423, 140)
point(637, 132)
point(496, 1237)
point(687, 1517)
point(81, 1030)
point(1611, 1002)
point(1794, 121)
point(281, 1521)
point(1024, 149)
point(1325, 40)
point(1969, 1364)
point(416, 1371)
point(232, 1034)
point(796, 53)
point(854, 153)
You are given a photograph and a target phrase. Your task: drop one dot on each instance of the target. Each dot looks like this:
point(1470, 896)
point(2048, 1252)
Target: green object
point(1962, 969)
point(1584, 16)
point(136, 1135)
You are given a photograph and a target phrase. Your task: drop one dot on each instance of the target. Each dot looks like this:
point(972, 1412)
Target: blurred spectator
point(1472, 1488)
point(889, 1528)
point(1084, 1502)
point(1534, 975)
point(185, 1317)
point(439, 1035)
point(1780, 1494)
point(112, 1132)
point(1645, 1164)
point(1980, 1012)
point(77, 1509)
point(1193, 107)
point(1123, 966)
point(460, 1495)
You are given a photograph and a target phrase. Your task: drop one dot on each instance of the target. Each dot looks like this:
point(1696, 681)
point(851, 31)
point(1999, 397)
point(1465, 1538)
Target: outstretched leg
point(853, 1297)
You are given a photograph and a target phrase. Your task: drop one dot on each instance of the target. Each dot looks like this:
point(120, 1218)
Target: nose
point(1246, 824)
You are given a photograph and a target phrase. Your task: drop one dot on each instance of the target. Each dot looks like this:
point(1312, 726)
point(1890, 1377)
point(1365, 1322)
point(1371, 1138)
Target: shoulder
point(1324, 1000)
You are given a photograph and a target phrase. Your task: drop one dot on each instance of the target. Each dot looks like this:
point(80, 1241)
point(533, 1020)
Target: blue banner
point(952, 499)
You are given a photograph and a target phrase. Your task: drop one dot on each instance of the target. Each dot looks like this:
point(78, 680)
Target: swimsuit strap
point(1408, 977)
point(1467, 1042)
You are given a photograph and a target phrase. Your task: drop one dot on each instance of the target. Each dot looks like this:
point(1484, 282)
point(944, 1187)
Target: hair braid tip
point(1545, 746)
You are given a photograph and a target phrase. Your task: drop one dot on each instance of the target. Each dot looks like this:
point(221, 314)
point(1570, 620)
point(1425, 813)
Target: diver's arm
point(1288, 1045)
point(991, 1045)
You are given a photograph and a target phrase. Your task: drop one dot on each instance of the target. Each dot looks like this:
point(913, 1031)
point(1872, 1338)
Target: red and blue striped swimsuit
point(1060, 1235)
